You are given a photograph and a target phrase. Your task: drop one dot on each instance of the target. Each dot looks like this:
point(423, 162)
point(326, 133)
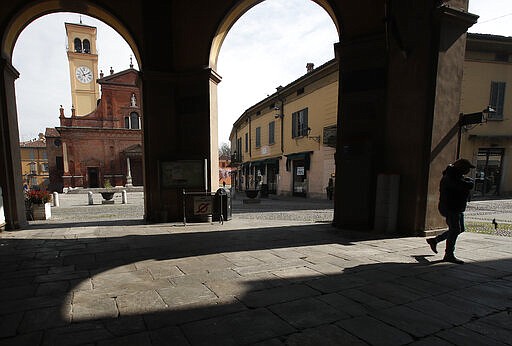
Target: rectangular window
point(32, 154)
point(497, 100)
point(239, 149)
point(246, 142)
point(271, 131)
point(300, 123)
point(44, 167)
point(258, 137)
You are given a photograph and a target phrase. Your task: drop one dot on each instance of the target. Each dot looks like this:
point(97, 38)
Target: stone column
point(187, 109)
point(128, 173)
point(399, 99)
point(10, 168)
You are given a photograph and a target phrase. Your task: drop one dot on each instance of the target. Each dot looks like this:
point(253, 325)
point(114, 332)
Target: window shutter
point(294, 125)
point(305, 123)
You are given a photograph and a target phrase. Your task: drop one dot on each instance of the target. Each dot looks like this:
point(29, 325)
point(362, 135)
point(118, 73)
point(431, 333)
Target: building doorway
point(488, 172)
point(93, 177)
point(300, 181)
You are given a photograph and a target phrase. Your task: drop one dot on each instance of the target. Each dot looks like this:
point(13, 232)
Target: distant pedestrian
point(454, 191)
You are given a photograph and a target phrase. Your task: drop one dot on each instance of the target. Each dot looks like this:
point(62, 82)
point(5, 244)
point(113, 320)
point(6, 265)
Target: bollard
point(56, 202)
point(125, 197)
point(91, 201)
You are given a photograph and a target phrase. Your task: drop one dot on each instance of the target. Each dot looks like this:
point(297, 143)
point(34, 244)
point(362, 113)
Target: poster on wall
point(182, 174)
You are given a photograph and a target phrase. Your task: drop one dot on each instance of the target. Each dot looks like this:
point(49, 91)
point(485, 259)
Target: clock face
point(83, 74)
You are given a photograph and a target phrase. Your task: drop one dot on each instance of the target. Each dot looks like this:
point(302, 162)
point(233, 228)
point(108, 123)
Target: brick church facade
point(104, 144)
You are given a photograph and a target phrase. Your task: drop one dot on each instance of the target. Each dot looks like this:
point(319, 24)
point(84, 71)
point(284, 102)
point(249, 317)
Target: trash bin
point(222, 205)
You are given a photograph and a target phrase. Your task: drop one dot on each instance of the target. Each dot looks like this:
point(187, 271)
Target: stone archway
point(400, 81)
point(10, 156)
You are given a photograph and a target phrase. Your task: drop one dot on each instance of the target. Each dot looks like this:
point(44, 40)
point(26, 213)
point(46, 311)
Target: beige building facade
point(284, 145)
point(488, 81)
point(34, 162)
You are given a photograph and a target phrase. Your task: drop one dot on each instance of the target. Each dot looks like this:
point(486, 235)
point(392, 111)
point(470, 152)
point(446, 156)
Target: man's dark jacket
point(453, 191)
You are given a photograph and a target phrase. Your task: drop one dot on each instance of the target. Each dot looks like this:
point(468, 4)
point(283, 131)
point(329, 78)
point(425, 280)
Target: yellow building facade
point(487, 81)
point(34, 162)
point(284, 145)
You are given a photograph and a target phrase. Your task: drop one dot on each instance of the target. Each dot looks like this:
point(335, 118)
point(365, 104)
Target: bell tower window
point(78, 45)
point(87, 46)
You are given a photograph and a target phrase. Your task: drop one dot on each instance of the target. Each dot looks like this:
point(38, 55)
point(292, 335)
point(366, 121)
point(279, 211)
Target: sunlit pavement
point(249, 281)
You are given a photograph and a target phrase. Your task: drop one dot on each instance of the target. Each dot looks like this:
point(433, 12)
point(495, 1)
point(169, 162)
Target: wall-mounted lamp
point(315, 138)
point(472, 119)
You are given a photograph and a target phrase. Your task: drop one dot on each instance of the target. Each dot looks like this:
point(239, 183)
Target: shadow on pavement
point(109, 291)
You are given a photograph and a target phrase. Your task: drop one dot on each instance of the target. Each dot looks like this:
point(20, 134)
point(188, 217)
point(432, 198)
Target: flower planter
point(252, 193)
point(42, 211)
point(107, 195)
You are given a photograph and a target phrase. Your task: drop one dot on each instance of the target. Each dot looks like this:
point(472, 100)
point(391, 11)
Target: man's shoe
point(433, 244)
point(453, 259)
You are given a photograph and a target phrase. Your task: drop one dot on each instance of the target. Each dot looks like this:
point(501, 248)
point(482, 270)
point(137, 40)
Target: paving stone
point(299, 274)
point(137, 339)
point(497, 326)
point(107, 279)
point(94, 309)
point(46, 318)
point(125, 325)
point(308, 312)
point(344, 304)
point(374, 331)
point(277, 295)
point(237, 329)
point(465, 336)
point(25, 339)
point(490, 295)
point(431, 341)
point(186, 294)
point(9, 324)
point(436, 309)
point(17, 292)
point(193, 312)
point(139, 303)
point(457, 301)
point(367, 301)
point(53, 288)
point(323, 335)
point(393, 292)
point(411, 321)
point(76, 334)
point(336, 283)
point(168, 336)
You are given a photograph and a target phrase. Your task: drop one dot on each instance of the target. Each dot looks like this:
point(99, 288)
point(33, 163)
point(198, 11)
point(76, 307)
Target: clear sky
point(269, 46)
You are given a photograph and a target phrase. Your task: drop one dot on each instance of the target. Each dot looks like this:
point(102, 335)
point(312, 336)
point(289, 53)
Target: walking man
point(454, 191)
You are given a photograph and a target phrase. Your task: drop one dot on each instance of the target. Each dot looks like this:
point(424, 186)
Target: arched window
point(134, 121)
point(78, 45)
point(87, 46)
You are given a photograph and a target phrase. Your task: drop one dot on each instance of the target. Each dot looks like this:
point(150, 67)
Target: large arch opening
point(85, 145)
point(277, 56)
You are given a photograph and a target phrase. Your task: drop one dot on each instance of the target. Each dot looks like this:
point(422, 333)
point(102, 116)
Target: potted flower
point(108, 194)
point(39, 202)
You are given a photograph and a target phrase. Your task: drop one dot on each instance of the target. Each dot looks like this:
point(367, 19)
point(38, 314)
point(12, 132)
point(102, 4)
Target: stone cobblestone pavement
point(247, 282)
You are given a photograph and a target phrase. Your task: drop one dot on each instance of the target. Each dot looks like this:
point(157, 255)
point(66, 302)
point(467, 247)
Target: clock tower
point(83, 67)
